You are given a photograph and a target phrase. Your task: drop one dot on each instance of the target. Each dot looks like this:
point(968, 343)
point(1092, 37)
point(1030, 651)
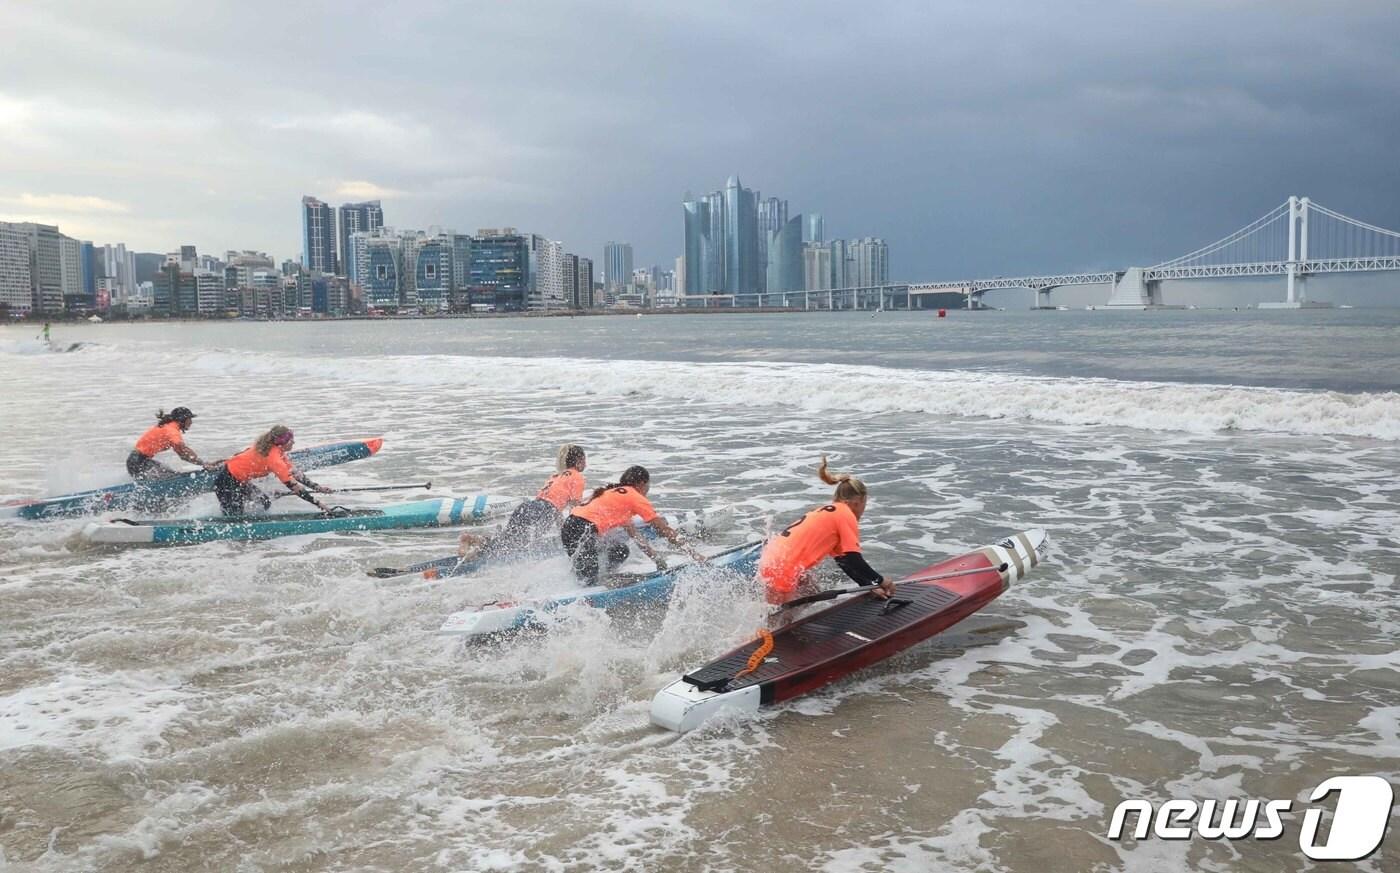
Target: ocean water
point(1216, 618)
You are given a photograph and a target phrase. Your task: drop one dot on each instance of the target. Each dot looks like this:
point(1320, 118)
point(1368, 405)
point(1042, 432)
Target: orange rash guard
point(248, 465)
point(826, 531)
point(562, 489)
point(615, 507)
point(159, 438)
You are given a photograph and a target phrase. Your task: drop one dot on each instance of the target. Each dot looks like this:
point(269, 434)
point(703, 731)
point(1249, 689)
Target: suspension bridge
point(1295, 240)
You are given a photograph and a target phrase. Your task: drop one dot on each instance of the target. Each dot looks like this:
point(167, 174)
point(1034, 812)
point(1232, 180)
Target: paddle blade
point(384, 572)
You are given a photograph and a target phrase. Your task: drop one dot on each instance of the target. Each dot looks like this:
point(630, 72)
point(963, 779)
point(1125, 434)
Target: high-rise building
point(816, 267)
point(209, 292)
point(814, 229)
point(431, 257)
point(871, 260)
point(742, 267)
point(548, 291)
point(318, 235)
point(772, 215)
point(70, 268)
point(16, 269)
point(545, 283)
point(704, 244)
point(722, 252)
point(381, 268)
point(461, 261)
point(584, 284)
point(355, 217)
point(842, 267)
point(176, 291)
point(499, 271)
point(87, 254)
point(617, 265)
point(568, 270)
point(44, 251)
point(189, 258)
point(785, 270)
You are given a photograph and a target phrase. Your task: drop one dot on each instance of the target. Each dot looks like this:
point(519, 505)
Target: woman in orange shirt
point(268, 456)
point(535, 518)
point(611, 507)
point(167, 433)
point(833, 531)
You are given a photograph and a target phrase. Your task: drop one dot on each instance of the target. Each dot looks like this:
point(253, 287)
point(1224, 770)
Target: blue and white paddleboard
point(438, 512)
point(501, 616)
point(158, 493)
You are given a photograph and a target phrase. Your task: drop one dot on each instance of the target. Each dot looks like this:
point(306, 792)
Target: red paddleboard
point(839, 640)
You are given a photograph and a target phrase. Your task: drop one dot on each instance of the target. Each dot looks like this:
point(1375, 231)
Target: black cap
point(181, 413)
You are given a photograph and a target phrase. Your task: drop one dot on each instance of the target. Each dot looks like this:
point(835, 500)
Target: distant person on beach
point(534, 519)
point(167, 433)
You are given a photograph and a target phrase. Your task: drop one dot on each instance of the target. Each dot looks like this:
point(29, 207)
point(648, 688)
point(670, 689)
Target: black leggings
point(144, 469)
point(234, 495)
point(529, 523)
point(581, 541)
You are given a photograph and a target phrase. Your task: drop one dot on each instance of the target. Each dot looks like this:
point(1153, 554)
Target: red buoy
point(942, 313)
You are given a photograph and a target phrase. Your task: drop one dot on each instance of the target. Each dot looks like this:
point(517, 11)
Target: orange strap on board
point(758, 654)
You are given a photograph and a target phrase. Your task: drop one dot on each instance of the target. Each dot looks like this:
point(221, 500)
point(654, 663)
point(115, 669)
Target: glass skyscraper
point(741, 265)
point(318, 236)
point(722, 252)
point(500, 267)
point(355, 217)
point(785, 268)
point(617, 261)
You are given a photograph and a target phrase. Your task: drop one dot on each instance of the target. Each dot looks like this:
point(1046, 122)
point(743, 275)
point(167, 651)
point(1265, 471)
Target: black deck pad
point(826, 635)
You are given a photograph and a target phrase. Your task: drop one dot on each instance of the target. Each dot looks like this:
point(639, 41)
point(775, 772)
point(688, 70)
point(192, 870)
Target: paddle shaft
point(837, 592)
point(366, 488)
point(423, 485)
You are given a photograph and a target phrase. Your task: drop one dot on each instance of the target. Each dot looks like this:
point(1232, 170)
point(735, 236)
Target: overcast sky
point(977, 138)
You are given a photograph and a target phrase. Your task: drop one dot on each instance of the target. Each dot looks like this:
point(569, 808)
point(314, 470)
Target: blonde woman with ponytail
point(267, 457)
point(831, 531)
point(533, 519)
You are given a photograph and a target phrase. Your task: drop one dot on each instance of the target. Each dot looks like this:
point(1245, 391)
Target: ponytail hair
point(632, 476)
point(265, 442)
point(848, 487)
point(570, 456)
point(181, 415)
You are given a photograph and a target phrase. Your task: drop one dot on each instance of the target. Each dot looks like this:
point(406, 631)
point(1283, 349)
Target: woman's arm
point(855, 566)
point(187, 453)
point(673, 536)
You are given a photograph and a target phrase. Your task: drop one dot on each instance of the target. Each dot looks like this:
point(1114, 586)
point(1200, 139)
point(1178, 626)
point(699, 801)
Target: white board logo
point(1358, 822)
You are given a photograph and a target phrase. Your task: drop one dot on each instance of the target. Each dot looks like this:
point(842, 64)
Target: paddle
point(426, 485)
point(837, 592)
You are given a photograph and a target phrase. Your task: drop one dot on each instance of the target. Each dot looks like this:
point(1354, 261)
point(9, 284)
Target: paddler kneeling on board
point(611, 507)
point(268, 456)
point(534, 519)
point(832, 531)
point(167, 433)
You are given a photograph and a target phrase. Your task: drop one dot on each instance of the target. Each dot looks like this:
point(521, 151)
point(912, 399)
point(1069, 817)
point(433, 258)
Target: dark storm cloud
point(977, 138)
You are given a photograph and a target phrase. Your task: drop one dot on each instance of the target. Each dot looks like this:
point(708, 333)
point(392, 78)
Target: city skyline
point(980, 160)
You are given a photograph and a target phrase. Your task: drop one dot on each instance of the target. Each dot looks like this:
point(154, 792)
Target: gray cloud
point(978, 138)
